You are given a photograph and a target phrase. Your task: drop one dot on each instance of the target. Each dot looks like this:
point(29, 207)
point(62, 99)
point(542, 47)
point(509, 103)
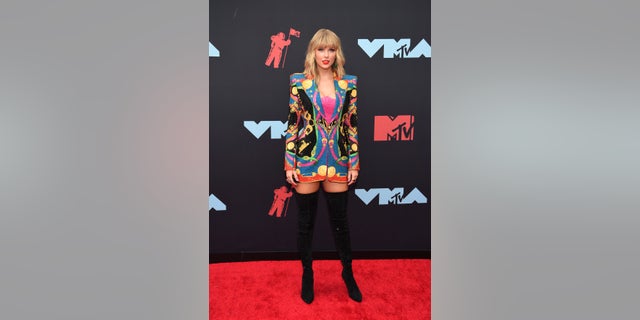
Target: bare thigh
point(306, 188)
point(334, 187)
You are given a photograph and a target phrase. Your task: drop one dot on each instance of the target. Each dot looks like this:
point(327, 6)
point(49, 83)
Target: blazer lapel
point(341, 89)
point(310, 89)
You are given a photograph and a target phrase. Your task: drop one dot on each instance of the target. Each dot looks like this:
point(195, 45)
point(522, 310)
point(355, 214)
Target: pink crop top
point(328, 105)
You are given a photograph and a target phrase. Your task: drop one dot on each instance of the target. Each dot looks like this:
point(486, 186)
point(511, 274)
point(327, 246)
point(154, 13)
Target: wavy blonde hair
point(324, 38)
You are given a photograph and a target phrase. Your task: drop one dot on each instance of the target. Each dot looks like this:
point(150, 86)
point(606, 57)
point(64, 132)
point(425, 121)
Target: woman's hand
point(292, 177)
point(352, 176)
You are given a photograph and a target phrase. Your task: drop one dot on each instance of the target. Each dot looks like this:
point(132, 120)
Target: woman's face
point(325, 57)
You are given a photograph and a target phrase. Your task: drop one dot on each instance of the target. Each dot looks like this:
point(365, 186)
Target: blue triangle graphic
point(213, 52)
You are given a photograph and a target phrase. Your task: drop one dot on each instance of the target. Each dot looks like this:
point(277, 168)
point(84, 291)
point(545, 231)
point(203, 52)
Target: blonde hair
point(324, 38)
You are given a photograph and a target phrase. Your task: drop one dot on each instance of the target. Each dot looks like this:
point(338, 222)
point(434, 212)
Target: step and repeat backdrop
point(253, 48)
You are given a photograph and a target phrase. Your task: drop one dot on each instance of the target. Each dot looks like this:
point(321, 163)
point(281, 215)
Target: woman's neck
point(325, 74)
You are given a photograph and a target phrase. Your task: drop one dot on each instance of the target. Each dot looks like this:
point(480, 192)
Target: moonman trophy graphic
point(278, 43)
point(280, 201)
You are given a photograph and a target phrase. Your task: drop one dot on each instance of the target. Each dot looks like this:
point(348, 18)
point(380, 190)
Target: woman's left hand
point(352, 176)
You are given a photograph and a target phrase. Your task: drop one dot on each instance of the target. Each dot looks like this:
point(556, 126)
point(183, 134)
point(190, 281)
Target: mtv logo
point(393, 128)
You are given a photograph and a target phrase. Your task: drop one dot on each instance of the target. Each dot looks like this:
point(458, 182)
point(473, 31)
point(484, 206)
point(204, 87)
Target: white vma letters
point(278, 128)
point(391, 196)
point(395, 49)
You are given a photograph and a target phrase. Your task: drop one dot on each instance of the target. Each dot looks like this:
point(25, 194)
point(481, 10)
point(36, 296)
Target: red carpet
point(391, 289)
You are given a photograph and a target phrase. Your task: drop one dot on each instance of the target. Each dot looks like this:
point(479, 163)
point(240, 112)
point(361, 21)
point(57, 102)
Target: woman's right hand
point(292, 177)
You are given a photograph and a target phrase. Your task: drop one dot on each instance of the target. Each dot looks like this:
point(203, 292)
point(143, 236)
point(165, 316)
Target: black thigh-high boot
point(308, 205)
point(337, 203)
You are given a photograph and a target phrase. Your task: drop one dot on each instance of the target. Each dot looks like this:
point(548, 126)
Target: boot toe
point(307, 297)
point(355, 295)
point(352, 286)
point(307, 287)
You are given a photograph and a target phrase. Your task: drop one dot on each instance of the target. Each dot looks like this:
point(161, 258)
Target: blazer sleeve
point(352, 126)
point(291, 135)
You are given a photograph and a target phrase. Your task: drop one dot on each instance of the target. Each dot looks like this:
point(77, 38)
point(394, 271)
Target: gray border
point(534, 158)
point(103, 166)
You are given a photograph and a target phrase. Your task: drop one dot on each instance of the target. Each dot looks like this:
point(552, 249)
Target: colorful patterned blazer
point(321, 146)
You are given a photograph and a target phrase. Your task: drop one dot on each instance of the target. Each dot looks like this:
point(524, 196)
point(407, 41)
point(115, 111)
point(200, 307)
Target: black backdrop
point(245, 170)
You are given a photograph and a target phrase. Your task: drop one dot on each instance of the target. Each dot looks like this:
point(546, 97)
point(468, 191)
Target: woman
point(322, 150)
